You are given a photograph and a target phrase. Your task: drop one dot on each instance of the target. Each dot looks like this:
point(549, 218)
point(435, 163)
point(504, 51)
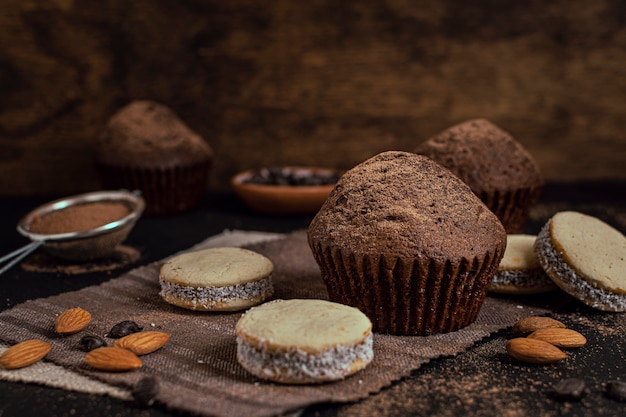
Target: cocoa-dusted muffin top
point(406, 205)
point(148, 134)
point(484, 156)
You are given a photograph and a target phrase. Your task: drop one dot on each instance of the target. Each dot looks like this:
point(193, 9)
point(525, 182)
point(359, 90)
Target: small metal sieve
point(83, 245)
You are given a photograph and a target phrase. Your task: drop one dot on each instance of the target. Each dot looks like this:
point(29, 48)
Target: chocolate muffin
point(496, 167)
point(407, 242)
point(145, 146)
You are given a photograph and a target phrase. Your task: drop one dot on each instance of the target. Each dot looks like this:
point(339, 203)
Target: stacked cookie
point(217, 279)
point(574, 252)
point(304, 341)
point(285, 341)
point(586, 258)
point(519, 272)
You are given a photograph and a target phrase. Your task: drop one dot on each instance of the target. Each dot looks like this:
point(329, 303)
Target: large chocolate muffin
point(408, 243)
point(145, 146)
point(495, 166)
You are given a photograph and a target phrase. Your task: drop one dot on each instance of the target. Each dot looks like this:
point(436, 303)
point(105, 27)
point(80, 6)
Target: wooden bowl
point(283, 199)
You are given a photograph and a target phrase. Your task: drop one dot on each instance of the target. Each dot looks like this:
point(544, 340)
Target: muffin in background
point(407, 242)
point(145, 146)
point(496, 167)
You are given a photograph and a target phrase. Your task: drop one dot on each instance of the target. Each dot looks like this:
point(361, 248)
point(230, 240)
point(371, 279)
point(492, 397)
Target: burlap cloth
point(197, 371)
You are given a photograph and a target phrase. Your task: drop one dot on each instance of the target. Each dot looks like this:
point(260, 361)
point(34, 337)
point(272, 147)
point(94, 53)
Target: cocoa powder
point(42, 262)
point(79, 217)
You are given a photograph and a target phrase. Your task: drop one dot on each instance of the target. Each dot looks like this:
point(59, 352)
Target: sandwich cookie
point(519, 271)
point(217, 279)
point(586, 258)
point(304, 341)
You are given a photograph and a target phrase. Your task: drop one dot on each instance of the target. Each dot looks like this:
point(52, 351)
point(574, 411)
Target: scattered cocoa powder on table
point(79, 217)
point(44, 263)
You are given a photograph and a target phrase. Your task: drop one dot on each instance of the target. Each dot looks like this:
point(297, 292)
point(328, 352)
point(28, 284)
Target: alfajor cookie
point(586, 258)
point(217, 279)
point(304, 341)
point(519, 271)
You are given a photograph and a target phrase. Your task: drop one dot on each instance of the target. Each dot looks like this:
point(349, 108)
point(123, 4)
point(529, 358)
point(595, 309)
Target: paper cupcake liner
point(416, 297)
point(166, 191)
point(512, 207)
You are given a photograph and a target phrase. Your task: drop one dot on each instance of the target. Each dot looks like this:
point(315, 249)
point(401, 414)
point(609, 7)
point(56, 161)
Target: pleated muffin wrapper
point(167, 190)
point(512, 207)
point(421, 296)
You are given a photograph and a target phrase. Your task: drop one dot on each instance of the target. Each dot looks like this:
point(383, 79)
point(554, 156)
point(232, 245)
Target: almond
point(530, 324)
point(72, 321)
point(142, 343)
point(561, 338)
point(24, 353)
point(111, 358)
point(534, 351)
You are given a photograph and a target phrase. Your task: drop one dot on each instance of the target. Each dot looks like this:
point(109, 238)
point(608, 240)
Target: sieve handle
point(19, 254)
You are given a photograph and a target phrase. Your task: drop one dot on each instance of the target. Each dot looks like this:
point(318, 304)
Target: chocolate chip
point(145, 390)
point(616, 390)
point(572, 389)
point(124, 328)
point(91, 342)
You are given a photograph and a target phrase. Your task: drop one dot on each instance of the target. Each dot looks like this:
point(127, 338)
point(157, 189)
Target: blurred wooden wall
point(322, 82)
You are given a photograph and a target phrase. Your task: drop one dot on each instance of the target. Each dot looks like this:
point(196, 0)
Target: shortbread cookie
point(586, 258)
point(217, 279)
point(304, 341)
point(519, 271)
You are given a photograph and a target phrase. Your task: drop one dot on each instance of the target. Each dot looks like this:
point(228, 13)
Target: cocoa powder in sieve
point(79, 217)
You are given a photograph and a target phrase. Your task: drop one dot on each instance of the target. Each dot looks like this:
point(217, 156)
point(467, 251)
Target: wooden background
point(324, 82)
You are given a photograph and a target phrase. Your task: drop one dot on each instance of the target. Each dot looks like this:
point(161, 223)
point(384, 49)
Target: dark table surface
point(479, 382)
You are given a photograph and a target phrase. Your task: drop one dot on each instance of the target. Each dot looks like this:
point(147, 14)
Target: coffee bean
point(572, 389)
point(91, 342)
point(616, 390)
point(124, 328)
point(145, 390)
point(286, 176)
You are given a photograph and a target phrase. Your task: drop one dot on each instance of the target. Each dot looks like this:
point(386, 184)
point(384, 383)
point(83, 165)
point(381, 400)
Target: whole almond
point(111, 358)
point(529, 324)
point(24, 353)
point(142, 343)
point(72, 321)
point(534, 351)
point(561, 338)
